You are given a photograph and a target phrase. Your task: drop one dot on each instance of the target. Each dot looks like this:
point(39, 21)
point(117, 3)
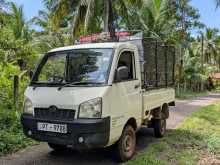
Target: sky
point(209, 15)
point(31, 7)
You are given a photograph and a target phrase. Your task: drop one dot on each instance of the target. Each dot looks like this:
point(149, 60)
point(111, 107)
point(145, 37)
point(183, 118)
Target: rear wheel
point(57, 147)
point(125, 147)
point(159, 126)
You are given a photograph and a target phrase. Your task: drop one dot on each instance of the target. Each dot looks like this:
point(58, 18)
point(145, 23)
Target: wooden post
point(16, 92)
point(17, 79)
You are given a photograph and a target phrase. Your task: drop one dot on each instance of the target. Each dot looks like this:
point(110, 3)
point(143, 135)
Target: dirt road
point(43, 155)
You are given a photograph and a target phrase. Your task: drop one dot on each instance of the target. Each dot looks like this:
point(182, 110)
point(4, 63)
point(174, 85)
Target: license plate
point(48, 127)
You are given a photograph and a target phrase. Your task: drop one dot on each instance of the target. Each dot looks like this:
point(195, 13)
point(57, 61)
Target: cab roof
point(90, 46)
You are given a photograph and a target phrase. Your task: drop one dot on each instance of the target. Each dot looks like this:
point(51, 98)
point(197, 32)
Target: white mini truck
point(96, 95)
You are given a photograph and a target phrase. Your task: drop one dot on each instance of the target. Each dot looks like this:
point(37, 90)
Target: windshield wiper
point(77, 83)
point(39, 84)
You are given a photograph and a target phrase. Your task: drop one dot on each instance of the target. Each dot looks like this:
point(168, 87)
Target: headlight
point(91, 109)
point(28, 106)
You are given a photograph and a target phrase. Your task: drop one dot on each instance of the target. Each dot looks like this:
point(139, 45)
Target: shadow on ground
point(102, 156)
point(46, 156)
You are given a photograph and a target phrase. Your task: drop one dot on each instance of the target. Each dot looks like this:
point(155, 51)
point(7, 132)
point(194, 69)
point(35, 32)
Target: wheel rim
point(128, 144)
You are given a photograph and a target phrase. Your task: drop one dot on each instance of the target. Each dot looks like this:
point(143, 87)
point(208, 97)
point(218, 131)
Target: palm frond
point(89, 14)
point(79, 17)
point(217, 3)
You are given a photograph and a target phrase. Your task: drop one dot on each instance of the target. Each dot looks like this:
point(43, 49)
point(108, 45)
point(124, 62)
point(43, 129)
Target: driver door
point(126, 101)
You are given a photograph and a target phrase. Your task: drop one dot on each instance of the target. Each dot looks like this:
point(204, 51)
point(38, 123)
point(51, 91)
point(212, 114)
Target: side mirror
point(31, 73)
point(122, 73)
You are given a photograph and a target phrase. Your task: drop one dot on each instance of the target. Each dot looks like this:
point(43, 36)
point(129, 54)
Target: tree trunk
point(202, 53)
point(106, 15)
point(74, 23)
point(219, 61)
point(109, 18)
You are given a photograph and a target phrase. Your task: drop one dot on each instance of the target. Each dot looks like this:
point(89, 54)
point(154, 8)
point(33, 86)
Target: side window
point(127, 59)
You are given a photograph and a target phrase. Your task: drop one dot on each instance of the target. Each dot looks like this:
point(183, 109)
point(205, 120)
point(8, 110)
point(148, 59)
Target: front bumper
point(95, 132)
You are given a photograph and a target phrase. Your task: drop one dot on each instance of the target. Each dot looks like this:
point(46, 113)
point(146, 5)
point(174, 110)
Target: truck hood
point(67, 98)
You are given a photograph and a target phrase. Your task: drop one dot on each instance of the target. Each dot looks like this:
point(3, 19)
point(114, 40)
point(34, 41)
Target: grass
point(188, 94)
point(12, 138)
point(196, 140)
point(183, 95)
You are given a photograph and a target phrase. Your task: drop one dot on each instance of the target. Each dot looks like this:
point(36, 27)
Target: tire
point(159, 126)
point(57, 147)
point(125, 147)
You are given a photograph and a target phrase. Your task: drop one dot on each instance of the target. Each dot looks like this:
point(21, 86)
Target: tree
point(155, 20)
point(217, 3)
point(4, 16)
point(187, 19)
point(43, 20)
point(18, 24)
point(89, 15)
point(50, 36)
point(210, 46)
point(15, 46)
point(2, 4)
point(207, 44)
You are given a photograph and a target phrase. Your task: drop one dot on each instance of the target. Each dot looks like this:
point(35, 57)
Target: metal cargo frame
point(157, 60)
point(158, 68)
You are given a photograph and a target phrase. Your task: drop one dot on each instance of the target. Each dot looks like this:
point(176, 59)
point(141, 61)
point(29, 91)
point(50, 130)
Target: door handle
point(137, 86)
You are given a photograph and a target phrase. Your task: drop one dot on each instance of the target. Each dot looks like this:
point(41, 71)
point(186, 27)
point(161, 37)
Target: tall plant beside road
point(18, 23)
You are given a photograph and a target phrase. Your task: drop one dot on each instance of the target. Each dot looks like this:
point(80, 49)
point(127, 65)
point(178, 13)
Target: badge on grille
point(53, 108)
point(53, 111)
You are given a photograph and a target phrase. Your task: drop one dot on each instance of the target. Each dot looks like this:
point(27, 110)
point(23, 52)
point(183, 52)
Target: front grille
point(54, 114)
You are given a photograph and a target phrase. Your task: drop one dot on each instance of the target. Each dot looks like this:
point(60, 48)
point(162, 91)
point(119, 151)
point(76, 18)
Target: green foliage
point(200, 59)
point(196, 137)
point(16, 55)
point(63, 21)
point(11, 136)
point(12, 49)
point(6, 85)
point(182, 95)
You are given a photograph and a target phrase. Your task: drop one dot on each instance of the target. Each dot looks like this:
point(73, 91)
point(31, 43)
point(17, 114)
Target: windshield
point(88, 66)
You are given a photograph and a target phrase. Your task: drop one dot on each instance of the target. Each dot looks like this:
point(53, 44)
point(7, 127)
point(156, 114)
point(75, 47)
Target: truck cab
point(92, 96)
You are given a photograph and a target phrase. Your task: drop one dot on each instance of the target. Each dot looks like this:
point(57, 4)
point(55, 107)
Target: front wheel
point(159, 126)
point(125, 147)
